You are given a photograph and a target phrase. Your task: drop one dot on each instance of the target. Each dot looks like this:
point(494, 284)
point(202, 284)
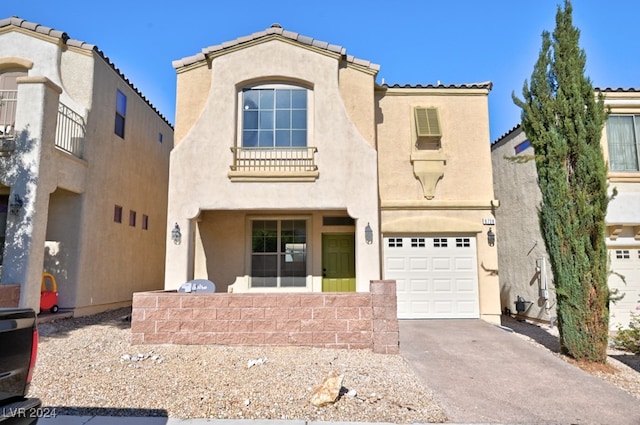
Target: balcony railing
point(278, 160)
point(70, 128)
point(70, 131)
point(8, 102)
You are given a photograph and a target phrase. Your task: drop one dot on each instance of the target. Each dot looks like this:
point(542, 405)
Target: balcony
point(8, 102)
point(274, 164)
point(70, 128)
point(70, 131)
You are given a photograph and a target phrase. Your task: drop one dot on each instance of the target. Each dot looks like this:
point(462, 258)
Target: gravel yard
point(87, 366)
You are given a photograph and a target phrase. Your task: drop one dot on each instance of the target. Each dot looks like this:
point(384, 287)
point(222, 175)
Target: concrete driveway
point(482, 373)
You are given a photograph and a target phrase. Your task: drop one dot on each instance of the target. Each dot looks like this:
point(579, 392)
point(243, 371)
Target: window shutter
point(427, 122)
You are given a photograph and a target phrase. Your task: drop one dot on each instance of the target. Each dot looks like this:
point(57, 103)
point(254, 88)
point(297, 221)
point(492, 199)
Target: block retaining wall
point(352, 320)
point(9, 295)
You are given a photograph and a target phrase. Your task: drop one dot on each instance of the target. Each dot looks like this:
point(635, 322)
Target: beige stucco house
point(524, 267)
point(293, 170)
point(83, 183)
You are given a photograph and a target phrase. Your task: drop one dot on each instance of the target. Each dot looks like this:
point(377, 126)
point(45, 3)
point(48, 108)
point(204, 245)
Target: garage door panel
point(418, 264)
point(443, 307)
point(419, 285)
point(466, 285)
point(466, 307)
point(396, 264)
point(421, 307)
point(435, 277)
point(443, 285)
point(442, 264)
point(402, 286)
point(625, 263)
point(465, 264)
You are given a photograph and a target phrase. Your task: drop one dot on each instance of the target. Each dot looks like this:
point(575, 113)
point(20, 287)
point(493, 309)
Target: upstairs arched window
point(274, 116)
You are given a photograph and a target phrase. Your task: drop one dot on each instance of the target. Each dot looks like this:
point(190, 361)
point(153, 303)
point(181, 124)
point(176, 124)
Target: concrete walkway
point(482, 373)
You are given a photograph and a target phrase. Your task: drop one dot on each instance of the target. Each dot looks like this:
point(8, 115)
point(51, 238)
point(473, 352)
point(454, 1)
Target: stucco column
point(367, 252)
point(180, 256)
point(489, 292)
point(31, 175)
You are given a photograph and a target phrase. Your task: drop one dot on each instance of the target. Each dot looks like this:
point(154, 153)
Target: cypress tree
point(563, 120)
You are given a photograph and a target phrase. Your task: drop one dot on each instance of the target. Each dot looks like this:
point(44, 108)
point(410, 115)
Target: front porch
point(262, 251)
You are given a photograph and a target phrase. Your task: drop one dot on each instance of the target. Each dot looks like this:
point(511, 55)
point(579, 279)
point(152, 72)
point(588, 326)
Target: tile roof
point(484, 85)
point(505, 135)
point(618, 90)
point(275, 29)
point(64, 37)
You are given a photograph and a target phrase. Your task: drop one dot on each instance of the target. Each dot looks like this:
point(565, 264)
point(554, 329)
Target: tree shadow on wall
point(19, 172)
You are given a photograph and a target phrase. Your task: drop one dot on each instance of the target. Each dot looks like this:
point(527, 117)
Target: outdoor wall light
point(491, 237)
point(368, 234)
point(16, 205)
point(176, 235)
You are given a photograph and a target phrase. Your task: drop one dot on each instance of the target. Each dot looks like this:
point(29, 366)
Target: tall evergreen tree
point(563, 119)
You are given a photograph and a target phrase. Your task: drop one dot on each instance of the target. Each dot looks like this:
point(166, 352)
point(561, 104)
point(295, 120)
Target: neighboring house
point(524, 267)
point(84, 194)
point(294, 171)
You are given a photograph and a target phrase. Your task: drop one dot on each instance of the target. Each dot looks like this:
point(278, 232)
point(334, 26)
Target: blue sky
point(414, 42)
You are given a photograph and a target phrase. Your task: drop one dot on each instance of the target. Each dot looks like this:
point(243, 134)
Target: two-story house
point(83, 173)
point(293, 170)
point(525, 272)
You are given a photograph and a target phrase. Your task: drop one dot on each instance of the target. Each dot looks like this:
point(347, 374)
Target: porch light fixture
point(16, 205)
point(491, 237)
point(368, 234)
point(176, 235)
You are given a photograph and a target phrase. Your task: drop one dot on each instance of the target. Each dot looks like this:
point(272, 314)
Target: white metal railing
point(8, 103)
point(70, 131)
point(274, 159)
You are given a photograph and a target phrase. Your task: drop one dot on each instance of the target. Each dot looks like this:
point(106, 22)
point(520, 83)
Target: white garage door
point(625, 263)
point(436, 277)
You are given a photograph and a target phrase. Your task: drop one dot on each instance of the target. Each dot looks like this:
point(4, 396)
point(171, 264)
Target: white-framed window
point(278, 253)
point(274, 116)
point(623, 137)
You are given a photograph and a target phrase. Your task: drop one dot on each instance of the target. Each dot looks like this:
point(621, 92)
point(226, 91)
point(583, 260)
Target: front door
point(338, 263)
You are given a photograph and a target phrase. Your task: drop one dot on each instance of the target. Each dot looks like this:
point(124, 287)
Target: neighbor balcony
point(274, 164)
point(70, 127)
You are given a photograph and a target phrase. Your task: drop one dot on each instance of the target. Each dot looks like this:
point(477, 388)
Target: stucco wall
point(463, 197)
point(99, 263)
point(132, 173)
point(517, 220)
point(200, 163)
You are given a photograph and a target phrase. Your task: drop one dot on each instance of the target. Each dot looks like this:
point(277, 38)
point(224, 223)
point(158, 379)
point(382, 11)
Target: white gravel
point(86, 366)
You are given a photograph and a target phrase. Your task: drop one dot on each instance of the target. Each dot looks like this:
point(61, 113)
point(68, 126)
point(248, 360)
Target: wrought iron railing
point(8, 103)
point(70, 131)
point(274, 159)
point(70, 128)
